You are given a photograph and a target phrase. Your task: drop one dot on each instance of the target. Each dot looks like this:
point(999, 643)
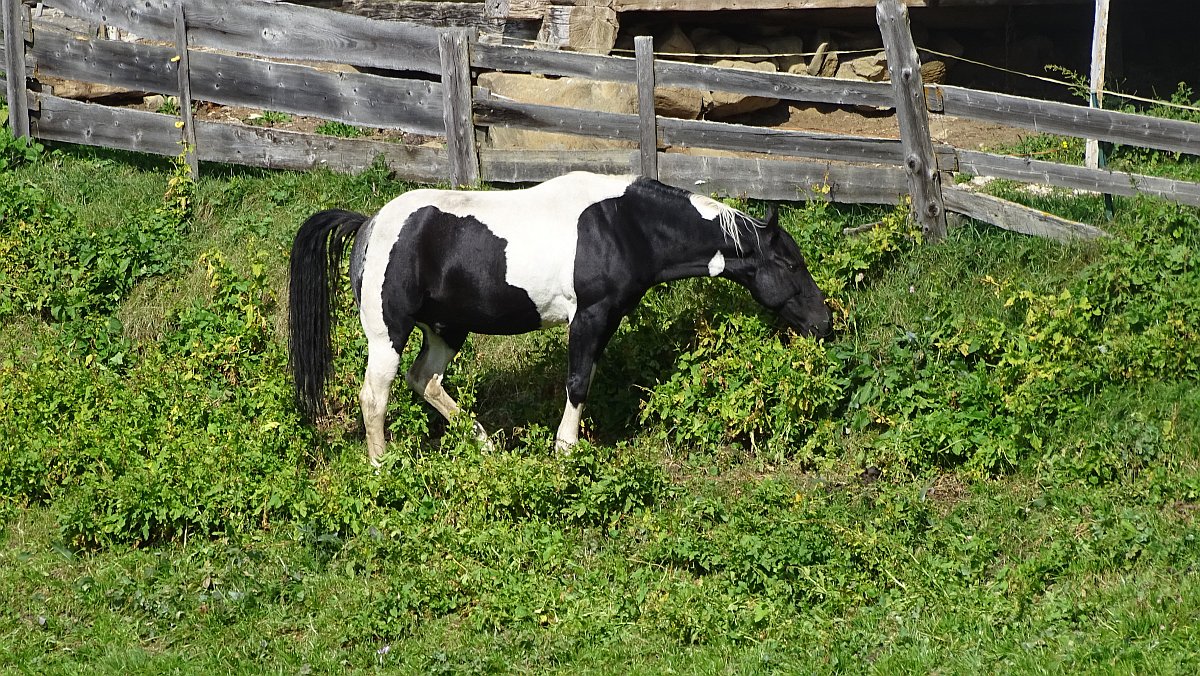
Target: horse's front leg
point(426, 374)
point(590, 331)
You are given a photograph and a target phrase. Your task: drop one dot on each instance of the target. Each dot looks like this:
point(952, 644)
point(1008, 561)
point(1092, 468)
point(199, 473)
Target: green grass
point(992, 475)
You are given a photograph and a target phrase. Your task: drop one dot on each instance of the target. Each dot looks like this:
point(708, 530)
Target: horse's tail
point(316, 259)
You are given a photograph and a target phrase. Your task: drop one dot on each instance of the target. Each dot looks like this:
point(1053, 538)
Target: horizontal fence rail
point(273, 30)
point(234, 48)
point(353, 98)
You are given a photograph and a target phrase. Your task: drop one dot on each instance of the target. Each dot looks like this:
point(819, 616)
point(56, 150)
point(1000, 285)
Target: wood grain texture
point(455, 48)
point(647, 122)
point(185, 91)
point(353, 98)
point(720, 5)
point(698, 133)
point(534, 166)
point(271, 29)
point(617, 126)
point(15, 18)
point(437, 14)
point(677, 74)
point(92, 124)
point(1070, 120)
point(908, 91)
point(782, 180)
point(1016, 217)
point(1077, 178)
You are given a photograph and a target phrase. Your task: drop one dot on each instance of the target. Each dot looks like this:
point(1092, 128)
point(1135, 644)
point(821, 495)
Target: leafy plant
point(269, 118)
point(335, 128)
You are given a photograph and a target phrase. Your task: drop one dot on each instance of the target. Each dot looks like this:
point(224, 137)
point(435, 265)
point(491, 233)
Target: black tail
point(316, 259)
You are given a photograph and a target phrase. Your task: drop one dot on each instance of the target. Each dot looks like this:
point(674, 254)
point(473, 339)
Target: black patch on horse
point(448, 272)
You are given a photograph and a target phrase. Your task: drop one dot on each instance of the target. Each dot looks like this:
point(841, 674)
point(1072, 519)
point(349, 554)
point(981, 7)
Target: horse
point(581, 249)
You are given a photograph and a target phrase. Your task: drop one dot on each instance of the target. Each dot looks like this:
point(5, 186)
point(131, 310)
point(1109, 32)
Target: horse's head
point(780, 281)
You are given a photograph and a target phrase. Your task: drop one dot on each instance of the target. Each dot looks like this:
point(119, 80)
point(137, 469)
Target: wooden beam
point(185, 91)
point(782, 180)
point(1015, 217)
point(1067, 119)
point(643, 46)
point(16, 18)
point(924, 182)
point(677, 74)
point(272, 29)
point(455, 48)
point(534, 166)
point(1077, 178)
point(140, 131)
point(438, 14)
point(721, 5)
point(353, 98)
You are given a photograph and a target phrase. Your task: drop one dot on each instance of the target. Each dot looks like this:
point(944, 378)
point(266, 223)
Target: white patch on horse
point(540, 227)
point(716, 265)
point(725, 215)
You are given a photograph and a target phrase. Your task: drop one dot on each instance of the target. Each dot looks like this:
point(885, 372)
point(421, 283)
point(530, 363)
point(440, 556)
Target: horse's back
point(488, 250)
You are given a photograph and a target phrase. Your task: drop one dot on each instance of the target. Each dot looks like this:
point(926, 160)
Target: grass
point(856, 548)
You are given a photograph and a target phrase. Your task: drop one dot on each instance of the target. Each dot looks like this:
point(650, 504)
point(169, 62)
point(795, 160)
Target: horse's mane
point(733, 222)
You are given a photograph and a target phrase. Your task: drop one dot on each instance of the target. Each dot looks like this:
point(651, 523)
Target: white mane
point(726, 216)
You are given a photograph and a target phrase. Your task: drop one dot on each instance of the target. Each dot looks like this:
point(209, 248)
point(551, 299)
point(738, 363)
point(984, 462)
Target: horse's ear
point(772, 218)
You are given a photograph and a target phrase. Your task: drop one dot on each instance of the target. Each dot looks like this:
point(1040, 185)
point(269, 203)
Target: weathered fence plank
point(1070, 120)
point(1016, 217)
point(271, 29)
point(1076, 177)
point(617, 126)
point(534, 166)
point(694, 133)
point(185, 91)
point(782, 179)
point(679, 74)
point(92, 124)
point(440, 14)
point(773, 85)
point(924, 182)
point(647, 124)
point(353, 98)
point(455, 48)
point(16, 18)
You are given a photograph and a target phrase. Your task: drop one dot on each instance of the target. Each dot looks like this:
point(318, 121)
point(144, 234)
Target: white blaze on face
point(540, 226)
point(717, 265)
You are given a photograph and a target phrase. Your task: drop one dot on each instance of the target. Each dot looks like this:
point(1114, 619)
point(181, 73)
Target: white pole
point(1099, 53)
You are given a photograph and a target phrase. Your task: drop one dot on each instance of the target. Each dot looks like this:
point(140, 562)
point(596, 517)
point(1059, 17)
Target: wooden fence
point(841, 168)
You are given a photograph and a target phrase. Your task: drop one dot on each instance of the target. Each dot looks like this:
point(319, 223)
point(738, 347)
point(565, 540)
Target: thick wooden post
point(454, 47)
point(15, 20)
point(185, 91)
point(643, 46)
point(924, 183)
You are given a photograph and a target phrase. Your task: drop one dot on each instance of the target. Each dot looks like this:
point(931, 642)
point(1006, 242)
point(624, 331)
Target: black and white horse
point(581, 249)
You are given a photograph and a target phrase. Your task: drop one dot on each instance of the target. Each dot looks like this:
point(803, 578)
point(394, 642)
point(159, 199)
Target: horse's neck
point(701, 252)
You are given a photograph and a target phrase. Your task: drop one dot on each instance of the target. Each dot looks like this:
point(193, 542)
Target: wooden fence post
point(15, 20)
point(1095, 152)
point(185, 91)
point(920, 164)
point(454, 48)
point(643, 47)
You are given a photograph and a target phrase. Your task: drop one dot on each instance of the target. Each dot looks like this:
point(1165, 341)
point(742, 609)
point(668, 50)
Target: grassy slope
point(932, 570)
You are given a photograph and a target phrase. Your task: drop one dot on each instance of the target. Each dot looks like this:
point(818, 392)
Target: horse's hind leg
point(382, 363)
point(426, 374)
